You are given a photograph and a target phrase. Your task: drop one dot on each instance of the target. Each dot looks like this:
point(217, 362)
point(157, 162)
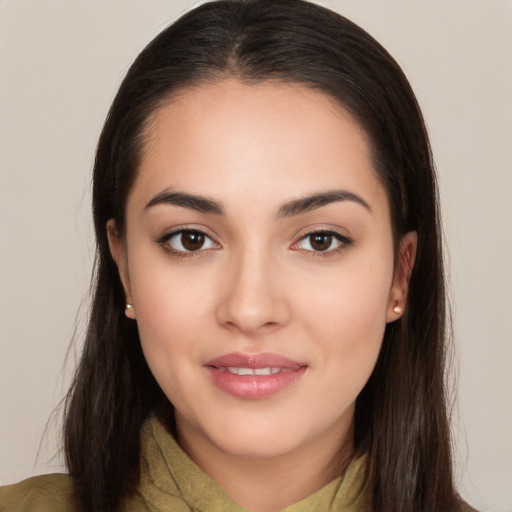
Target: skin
point(257, 284)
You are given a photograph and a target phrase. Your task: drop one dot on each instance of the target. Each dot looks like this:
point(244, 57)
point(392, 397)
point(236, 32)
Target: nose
point(252, 299)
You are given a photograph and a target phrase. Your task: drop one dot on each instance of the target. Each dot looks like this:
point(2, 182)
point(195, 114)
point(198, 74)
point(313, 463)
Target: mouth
point(254, 376)
point(253, 371)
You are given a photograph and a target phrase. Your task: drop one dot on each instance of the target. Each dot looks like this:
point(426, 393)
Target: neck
point(269, 484)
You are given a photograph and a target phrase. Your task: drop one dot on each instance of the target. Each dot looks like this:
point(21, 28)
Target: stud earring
point(129, 311)
point(397, 310)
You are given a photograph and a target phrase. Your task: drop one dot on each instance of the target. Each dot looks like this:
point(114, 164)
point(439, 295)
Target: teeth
point(251, 371)
point(242, 371)
point(263, 371)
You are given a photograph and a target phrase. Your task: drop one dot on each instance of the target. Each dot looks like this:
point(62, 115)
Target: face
point(258, 257)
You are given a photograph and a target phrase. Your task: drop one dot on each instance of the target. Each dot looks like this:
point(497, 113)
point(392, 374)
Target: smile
point(254, 376)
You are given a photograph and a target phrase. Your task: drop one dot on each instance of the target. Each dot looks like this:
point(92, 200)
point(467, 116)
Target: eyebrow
point(306, 204)
point(289, 209)
point(199, 203)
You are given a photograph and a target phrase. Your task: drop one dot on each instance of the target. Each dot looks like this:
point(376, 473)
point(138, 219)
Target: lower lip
point(253, 387)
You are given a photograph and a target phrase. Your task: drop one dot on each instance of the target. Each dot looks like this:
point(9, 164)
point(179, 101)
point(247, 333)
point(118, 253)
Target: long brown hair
point(401, 419)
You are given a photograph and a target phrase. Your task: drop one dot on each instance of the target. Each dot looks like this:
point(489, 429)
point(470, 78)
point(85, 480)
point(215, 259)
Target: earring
point(397, 310)
point(129, 311)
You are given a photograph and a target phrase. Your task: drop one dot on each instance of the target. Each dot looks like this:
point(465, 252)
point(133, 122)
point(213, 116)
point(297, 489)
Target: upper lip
point(259, 360)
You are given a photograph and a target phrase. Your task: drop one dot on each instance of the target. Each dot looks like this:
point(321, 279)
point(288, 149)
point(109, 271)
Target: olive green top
point(171, 482)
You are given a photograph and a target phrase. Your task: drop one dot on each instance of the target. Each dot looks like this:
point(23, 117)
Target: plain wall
point(60, 65)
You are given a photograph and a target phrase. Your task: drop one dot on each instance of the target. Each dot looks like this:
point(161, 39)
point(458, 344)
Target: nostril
point(249, 323)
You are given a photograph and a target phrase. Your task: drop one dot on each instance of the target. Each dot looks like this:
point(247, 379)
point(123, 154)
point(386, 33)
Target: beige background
point(61, 63)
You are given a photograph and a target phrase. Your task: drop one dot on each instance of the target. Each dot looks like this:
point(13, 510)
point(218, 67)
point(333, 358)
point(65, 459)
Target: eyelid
point(168, 235)
point(344, 240)
point(162, 240)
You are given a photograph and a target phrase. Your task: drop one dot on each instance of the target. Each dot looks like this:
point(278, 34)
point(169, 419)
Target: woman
point(267, 329)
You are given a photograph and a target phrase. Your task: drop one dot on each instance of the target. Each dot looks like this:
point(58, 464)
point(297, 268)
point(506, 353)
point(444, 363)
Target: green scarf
point(171, 481)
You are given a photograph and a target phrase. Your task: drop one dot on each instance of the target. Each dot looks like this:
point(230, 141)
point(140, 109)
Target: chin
point(252, 444)
point(251, 436)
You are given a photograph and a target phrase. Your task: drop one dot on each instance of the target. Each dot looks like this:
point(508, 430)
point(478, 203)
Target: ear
point(118, 252)
point(402, 274)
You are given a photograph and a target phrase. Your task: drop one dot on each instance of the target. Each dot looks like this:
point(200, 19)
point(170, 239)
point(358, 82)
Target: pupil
point(192, 240)
point(321, 242)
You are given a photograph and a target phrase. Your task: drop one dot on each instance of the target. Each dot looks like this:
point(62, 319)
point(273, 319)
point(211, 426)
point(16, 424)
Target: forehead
point(229, 139)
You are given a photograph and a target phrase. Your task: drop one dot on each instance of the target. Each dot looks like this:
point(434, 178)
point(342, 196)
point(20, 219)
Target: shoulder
point(46, 493)
point(51, 493)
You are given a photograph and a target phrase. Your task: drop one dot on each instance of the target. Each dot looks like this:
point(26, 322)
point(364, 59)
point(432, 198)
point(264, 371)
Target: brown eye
point(323, 242)
point(187, 241)
point(192, 240)
point(320, 241)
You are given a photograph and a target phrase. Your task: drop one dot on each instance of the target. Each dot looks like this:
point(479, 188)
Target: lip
point(285, 373)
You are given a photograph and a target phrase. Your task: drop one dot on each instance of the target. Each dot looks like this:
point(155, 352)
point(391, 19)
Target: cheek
point(171, 308)
point(350, 299)
point(345, 314)
point(170, 319)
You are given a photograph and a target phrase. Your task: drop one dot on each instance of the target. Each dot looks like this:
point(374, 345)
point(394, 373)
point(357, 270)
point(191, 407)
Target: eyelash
point(343, 241)
point(165, 239)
